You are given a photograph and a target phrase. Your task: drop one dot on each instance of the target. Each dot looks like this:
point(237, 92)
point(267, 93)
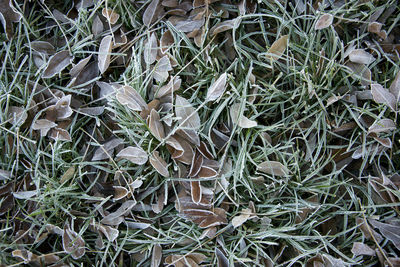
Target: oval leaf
point(217, 88)
point(273, 168)
point(277, 48)
point(57, 63)
point(104, 53)
point(135, 155)
point(324, 22)
point(383, 96)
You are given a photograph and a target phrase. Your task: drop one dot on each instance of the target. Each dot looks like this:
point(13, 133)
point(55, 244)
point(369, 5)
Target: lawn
point(199, 133)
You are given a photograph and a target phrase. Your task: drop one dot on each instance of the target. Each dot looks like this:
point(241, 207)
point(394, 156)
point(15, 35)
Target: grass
point(310, 213)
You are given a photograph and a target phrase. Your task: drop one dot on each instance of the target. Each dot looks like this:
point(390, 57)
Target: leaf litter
point(151, 105)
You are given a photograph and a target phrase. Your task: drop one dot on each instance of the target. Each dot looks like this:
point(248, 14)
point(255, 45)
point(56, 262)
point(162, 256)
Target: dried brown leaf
point(242, 218)
point(8, 14)
point(17, 115)
point(187, 115)
point(167, 40)
point(43, 47)
point(383, 96)
point(75, 70)
point(362, 249)
point(73, 244)
point(106, 150)
point(120, 192)
point(195, 189)
point(111, 15)
point(207, 172)
point(360, 56)
point(389, 231)
point(116, 217)
point(217, 88)
point(277, 49)
point(324, 22)
point(161, 69)
point(240, 119)
point(60, 134)
point(156, 256)
point(105, 53)
point(224, 26)
point(155, 125)
point(57, 63)
point(189, 25)
point(273, 168)
point(159, 164)
point(135, 155)
point(150, 14)
point(173, 85)
point(97, 26)
point(151, 49)
point(131, 98)
point(395, 87)
point(221, 258)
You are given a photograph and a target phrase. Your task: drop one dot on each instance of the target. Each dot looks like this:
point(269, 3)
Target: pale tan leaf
point(189, 25)
point(60, 134)
point(109, 232)
point(161, 69)
point(43, 47)
point(383, 125)
point(324, 22)
point(57, 63)
point(106, 150)
point(389, 231)
point(105, 53)
point(173, 85)
point(240, 119)
point(386, 142)
point(68, 174)
point(361, 72)
point(207, 172)
point(155, 125)
point(149, 15)
point(217, 88)
point(92, 111)
point(17, 115)
point(111, 15)
point(362, 249)
point(242, 218)
point(131, 98)
point(277, 49)
point(395, 87)
point(156, 256)
point(273, 168)
point(375, 27)
point(159, 164)
point(383, 96)
point(135, 155)
point(187, 115)
point(151, 49)
point(360, 56)
point(43, 124)
point(197, 162)
point(24, 254)
point(97, 26)
point(224, 26)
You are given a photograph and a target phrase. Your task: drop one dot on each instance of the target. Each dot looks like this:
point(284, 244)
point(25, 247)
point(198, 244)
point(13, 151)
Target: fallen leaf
point(173, 85)
point(135, 155)
point(395, 87)
point(368, 231)
point(25, 194)
point(131, 98)
point(273, 168)
point(59, 134)
point(151, 49)
point(187, 115)
point(155, 125)
point(195, 189)
point(57, 63)
point(167, 40)
point(242, 218)
point(43, 47)
point(224, 26)
point(75, 70)
point(191, 259)
point(362, 249)
point(277, 49)
point(189, 25)
point(241, 120)
point(383, 125)
point(92, 111)
point(217, 88)
point(4, 175)
point(17, 115)
point(109, 232)
point(73, 244)
point(324, 22)
point(149, 15)
point(221, 258)
point(106, 150)
point(115, 218)
point(360, 56)
point(104, 53)
point(161, 69)
point(389, 231)
point(110, 15)
point(120, 192)
point(156, 256)
point(43, 125)
point(97, 26)
point(8, 14)
point(383, 96)
point(159, 164)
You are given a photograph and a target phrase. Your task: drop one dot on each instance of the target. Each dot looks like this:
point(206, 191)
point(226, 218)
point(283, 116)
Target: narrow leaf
point(104, 53)
point(217, 88)
point(149, 15)
point(277, 48)
point(273, 168)
point(57, 63)
point(159, 164)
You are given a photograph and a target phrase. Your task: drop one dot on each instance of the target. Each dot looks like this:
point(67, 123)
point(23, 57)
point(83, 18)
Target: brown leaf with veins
point(8, 14)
